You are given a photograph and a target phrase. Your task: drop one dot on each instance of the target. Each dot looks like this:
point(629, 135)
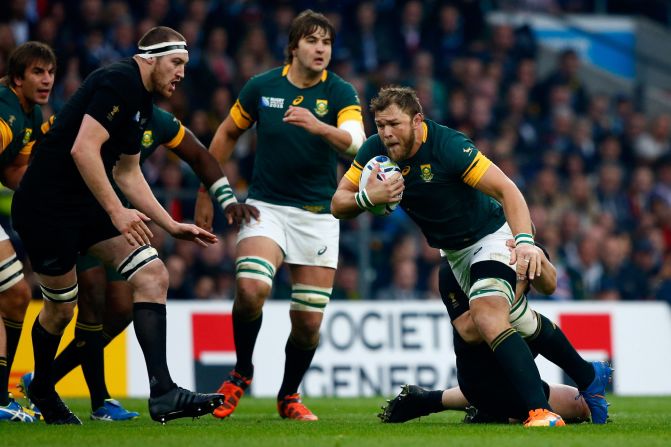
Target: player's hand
point(529, 261)
point(384, 191)
point(131, 224)
point(302, 117)
point(204, 212)
point(237, 213)
point(193, 233)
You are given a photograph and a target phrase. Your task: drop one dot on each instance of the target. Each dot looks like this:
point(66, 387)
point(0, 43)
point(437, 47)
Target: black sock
point(150, 329)
point(45, 346)
point(4, 382)
point(550, 342)
point(518, 365)
point(13, 331)
point(296, 364)
point(244, 335)
point(434, 401)
point(90, 346)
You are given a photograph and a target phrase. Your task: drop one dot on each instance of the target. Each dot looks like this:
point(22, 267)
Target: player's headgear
point(162, 49)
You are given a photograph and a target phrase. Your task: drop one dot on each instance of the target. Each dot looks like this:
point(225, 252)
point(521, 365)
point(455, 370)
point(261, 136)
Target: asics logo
point(322, 250)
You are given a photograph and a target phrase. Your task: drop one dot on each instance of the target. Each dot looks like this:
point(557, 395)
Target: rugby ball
point(387, 169)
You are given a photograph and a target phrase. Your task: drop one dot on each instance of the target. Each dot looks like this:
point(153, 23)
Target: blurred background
point(571, 98)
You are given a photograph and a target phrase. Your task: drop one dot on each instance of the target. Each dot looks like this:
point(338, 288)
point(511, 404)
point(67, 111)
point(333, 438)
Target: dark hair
point(24, 55)
point(306, 23)
point(404, 97)
point(159, 34)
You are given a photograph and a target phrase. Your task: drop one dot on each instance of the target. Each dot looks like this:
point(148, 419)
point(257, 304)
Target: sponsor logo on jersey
point(114, 111)
point(426, 173)
point(147, 138)
point(322, 250)
point(273, 103)
point(322, 107)
point(27, 135)
point(298, 100)
point(11, 120)
point(405, 171)
point(468, 150)
point(453, 300)
point(137, 117)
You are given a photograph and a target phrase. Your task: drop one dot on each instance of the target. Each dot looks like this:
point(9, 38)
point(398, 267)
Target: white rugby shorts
point(3, 234)
point(305, 238)
point(490, 248)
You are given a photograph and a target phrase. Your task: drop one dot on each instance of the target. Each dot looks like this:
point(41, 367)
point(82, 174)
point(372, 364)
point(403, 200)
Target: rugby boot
point(112, 411)
point(595, 393)
point(475, 416)
point(52, 409)
point(409, 404)
point(291, 407)
point(542, 417)
point(14, 412)
point(233, 389)
point(181, 403)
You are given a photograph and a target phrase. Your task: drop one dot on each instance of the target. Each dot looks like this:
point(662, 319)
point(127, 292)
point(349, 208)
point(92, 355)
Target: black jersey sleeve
point(110, 109)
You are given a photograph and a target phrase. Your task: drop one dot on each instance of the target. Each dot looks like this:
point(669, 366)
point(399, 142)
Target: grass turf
point(643, 421)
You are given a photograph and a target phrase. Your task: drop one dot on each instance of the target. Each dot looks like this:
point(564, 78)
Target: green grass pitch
point(644, 421)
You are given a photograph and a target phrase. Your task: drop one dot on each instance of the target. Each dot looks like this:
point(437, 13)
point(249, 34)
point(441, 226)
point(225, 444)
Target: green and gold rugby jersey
point(18, 129)
point(439, 190)
point(293, 167)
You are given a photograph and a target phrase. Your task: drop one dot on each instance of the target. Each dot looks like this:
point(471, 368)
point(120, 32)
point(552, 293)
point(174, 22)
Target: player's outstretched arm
point(208, 170)
point(128, 176)
point(12, 173)
point(221, 148)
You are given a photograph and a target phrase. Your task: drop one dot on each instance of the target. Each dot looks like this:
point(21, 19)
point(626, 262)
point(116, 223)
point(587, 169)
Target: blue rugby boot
point(14, 412)
point(112, 411)
point(595, 393)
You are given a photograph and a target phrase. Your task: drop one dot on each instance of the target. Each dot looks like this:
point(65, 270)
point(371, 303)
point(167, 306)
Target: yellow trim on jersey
point(325, 75)
point(178, 138)
point(476, 170)
point(425, 129)
point(5, 135)
point(241, 118)
point(353, 174)
point(350, 113)
point(46, 126)
point(27, 149)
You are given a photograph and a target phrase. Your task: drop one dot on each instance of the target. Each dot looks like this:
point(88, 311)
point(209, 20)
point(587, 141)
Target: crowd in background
point(595, 170)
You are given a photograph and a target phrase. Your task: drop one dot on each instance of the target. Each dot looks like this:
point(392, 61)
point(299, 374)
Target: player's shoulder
point(159, 114)
point(267, 76)
point(8, 98)
point(123, 76)
point(335, 83)
point(446, 138)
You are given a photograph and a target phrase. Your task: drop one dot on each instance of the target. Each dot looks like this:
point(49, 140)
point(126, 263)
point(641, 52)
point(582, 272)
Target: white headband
point(161, 49)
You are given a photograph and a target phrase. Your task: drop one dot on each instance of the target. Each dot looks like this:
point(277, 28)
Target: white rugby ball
point(387, 168)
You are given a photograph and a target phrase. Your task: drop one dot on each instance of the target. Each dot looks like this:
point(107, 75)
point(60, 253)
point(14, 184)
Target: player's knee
point(14, 290)
point(142, 259)
point(254, 276)
point(250, 296)
point(14, 301)
point(308, 298)
point(523, 319)
point(151, 282)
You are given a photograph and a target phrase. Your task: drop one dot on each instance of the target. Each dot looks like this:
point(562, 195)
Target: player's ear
point(417, 119)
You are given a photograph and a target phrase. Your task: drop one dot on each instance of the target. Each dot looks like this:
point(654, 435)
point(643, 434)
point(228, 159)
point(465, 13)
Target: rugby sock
point(89, 343)
point(13, 332)
point(297, 362)
point(244, 335)
point(149, 321)
point(45, 346)
point(4, 382)
point(550, 342)
point(434, 401)
point(518, 365)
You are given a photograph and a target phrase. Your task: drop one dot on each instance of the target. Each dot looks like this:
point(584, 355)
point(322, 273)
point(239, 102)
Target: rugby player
point(466, 207)
point(30, 78)
point(105, 305)
point(305, 117)
point(65, 204)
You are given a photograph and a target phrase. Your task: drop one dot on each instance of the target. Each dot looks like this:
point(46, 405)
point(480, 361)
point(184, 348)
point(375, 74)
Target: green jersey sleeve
point(346, 102)
point(245, 110)
point(369, 149)
point(461, 158)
